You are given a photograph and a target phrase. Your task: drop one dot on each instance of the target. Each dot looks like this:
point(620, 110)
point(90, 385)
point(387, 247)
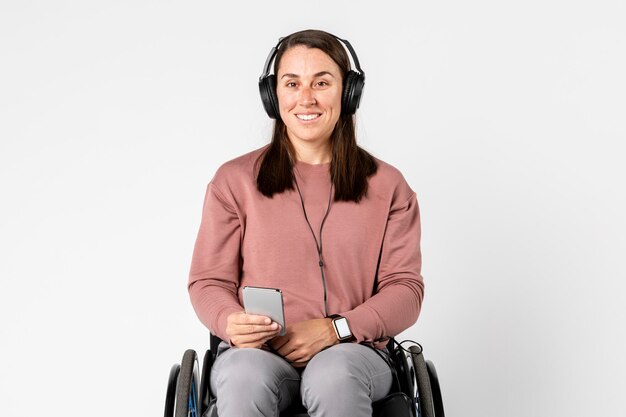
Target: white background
point(506, 118)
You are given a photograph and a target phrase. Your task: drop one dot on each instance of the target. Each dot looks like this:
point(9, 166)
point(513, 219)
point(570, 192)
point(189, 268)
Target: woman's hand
point(250, 331)
point(304, 340)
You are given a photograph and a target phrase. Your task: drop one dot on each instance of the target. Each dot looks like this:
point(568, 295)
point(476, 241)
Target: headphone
point(352, 84)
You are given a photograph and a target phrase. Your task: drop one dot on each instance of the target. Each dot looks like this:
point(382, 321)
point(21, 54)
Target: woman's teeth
point(307, 116)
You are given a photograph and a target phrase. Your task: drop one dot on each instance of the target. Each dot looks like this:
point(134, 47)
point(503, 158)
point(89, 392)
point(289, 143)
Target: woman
point(316, 216)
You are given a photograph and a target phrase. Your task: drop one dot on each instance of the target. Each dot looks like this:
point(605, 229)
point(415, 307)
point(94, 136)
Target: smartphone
point(265, 302)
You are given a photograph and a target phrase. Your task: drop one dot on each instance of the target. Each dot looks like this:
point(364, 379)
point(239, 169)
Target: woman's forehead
point(301, 60)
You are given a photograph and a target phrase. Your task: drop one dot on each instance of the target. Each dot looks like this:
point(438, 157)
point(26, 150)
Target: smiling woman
point(329, 101)
point(346, 291)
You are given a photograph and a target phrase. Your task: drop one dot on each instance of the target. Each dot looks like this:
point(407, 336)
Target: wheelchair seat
point(415, 391)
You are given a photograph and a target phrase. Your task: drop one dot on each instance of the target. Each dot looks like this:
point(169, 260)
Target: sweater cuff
point(222, 321)
point(364, 323)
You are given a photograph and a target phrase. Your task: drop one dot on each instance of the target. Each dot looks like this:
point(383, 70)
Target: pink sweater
point(371, 250)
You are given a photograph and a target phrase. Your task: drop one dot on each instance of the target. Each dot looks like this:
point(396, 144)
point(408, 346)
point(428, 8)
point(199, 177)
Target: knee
point(332, 373)
point(332, 364)
point(252, 382)
point(237, 368)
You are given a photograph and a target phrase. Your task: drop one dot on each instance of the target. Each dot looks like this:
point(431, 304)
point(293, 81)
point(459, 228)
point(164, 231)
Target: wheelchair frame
point(188, 393)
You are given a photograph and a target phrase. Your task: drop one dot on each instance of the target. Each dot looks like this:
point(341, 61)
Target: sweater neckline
point(306, 168)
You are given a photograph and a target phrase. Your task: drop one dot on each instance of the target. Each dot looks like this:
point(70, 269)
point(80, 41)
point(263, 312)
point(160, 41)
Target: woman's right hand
point(249, 330)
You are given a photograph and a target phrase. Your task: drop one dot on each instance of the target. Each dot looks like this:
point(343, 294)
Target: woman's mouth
point(308, 117)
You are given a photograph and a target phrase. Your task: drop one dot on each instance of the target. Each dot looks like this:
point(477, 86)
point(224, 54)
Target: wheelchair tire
point(436, 389)
point(424, 392)
point(170, 395)
point(187, 404)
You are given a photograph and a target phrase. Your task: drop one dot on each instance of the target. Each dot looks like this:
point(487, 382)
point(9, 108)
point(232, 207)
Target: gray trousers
point(340, 381)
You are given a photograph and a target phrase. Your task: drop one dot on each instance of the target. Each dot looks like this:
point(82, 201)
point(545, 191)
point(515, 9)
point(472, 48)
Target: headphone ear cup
point(352, 92)
point(267, 88)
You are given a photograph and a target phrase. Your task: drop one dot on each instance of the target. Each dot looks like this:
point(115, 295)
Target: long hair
point(350, 167)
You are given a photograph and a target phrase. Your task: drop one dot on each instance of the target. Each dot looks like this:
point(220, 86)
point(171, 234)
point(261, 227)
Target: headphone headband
point(274, 51)
point(352, 86)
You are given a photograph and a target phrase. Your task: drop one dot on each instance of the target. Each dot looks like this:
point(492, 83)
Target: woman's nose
point(307, 98)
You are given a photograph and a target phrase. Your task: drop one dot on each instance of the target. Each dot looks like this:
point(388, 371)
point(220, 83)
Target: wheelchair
point(415, 391)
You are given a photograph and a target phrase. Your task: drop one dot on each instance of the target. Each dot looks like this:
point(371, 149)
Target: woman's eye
point(322, 83)
point(290, 84)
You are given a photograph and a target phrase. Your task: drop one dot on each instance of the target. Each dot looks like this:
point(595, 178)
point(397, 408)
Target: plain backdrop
point(507, 119)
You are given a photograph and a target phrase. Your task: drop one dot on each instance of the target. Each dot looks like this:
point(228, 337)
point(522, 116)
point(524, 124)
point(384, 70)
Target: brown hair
point(350, 167)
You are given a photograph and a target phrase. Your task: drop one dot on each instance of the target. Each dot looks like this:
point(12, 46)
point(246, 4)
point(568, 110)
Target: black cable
point(318, 245)
point(391, 355)
point(399, 344)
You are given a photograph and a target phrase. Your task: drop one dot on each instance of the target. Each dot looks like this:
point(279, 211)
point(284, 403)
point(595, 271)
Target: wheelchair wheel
point(436, 390)
point(424, 392)
point(405, 373)
point(187, 386)
point(170, 396)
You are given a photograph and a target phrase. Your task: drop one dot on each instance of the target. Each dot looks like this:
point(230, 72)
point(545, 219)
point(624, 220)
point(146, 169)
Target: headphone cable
point(318, 245)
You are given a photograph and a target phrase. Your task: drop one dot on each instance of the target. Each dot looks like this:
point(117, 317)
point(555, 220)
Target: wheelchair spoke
point(192, 405)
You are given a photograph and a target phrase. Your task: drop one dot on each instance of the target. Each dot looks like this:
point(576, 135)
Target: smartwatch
point(342, 329)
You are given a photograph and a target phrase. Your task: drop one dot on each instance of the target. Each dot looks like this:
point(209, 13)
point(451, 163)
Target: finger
point(257, 328)
point(299, 364)
point(254, 337)
point(279, 342)
point(237, 329)
point(251, 319)
point(287, 351)
point(297, 356)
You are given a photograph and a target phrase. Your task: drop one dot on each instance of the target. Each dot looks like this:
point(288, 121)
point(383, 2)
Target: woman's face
point(308, 86)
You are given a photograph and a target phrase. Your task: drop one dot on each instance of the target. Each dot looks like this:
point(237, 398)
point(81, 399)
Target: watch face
point(343, 330)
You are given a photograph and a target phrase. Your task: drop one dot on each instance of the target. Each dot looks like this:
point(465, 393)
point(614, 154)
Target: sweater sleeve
point(397, 302)
point(215, 265)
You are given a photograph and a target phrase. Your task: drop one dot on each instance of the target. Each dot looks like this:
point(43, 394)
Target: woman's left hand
point(304, 340)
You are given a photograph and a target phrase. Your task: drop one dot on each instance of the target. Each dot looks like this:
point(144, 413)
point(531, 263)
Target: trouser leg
point(252, 382)
point(344, 380)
